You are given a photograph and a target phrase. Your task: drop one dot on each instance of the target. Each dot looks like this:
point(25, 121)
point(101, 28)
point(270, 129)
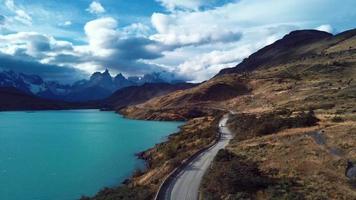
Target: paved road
point(185, 186)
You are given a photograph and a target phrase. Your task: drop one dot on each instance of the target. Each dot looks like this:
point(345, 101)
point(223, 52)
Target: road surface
point(185, 185)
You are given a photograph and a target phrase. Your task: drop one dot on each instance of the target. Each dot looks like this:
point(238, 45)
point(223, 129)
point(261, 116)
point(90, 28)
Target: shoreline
point(148, 155)
point(158, 133)
point(44, 110)
point(171, 177)
point(158, 165)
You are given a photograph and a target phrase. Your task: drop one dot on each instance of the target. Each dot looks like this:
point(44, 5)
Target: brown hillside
point(323, 73)
point(294, 123)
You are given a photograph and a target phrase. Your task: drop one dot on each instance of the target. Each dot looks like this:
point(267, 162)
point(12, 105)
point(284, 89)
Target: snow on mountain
point(100, 85)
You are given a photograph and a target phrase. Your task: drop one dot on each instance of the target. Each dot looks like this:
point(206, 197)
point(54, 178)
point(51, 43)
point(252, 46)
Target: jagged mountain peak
point(105, 74)
point(120, 76)
point(101, 82)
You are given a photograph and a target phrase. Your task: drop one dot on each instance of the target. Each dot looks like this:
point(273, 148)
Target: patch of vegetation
point(123, 193)
point(234, 176)
point(288, 74)
point(194, 135)
point(221, 91)
point(247, 126)
point(337, 119)
point(293, 163)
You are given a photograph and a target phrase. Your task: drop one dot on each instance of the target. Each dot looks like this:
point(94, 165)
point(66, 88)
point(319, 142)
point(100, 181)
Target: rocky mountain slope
point(294, 123)
point(293, 45)
point(31, 84)
point(300, 73)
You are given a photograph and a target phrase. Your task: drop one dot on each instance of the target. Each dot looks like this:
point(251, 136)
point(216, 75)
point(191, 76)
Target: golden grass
point(294, 155)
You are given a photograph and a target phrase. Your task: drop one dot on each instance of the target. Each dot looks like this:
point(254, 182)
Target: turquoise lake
point(61, 155)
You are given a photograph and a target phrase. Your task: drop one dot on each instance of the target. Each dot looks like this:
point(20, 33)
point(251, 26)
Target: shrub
point(123, 192)
point(138, 172)
point(234, 174)
point(337, 119)
point(241, 178)
point(249, 125)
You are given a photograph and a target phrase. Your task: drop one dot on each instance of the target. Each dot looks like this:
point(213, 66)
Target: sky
point(193, 39)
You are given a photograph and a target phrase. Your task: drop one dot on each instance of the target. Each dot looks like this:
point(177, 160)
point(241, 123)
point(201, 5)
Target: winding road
point(185, 184)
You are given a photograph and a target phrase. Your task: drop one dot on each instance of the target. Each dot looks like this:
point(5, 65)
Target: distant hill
point(14, 99)
point(138, 94)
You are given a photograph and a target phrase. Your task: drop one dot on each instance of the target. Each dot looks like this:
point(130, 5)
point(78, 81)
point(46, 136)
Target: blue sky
point(52, 14)
point(192, 39)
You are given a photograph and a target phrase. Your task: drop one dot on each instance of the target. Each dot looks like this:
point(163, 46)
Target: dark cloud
point(40, 43)
point(137, 48)
point(2, 19)
point(48, 72)
point(127, 56)
point(70, 59)
point(230, 37)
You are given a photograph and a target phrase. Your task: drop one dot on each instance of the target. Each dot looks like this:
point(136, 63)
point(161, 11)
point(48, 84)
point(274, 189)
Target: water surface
point(61, 155)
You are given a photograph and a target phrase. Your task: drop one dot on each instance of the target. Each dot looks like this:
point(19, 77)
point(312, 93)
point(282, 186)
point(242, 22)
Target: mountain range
point(99, 86)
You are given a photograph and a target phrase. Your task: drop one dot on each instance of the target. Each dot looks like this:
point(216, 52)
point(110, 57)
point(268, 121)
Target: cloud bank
point(193, 39)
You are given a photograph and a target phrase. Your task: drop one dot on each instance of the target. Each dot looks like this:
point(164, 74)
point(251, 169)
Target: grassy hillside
point(190, 103)
point(317, 74)
point(295, 121)
point(286, 162)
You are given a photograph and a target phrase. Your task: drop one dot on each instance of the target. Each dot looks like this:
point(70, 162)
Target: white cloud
point(20, 14)
point(190, 29)
point(33, 44)
point(66, 23)
point(96, 8)
point(102, 35)
point(184, 4)
point(206, 40)
point(198, 63)
point(137, 30)
point(191, 38)
point(122, 48)
point(2, 20)
point(325, 27)
point(108, 46)
point(10, 4)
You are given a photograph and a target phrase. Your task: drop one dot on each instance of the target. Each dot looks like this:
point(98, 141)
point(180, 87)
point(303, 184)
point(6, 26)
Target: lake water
point(61, 155)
